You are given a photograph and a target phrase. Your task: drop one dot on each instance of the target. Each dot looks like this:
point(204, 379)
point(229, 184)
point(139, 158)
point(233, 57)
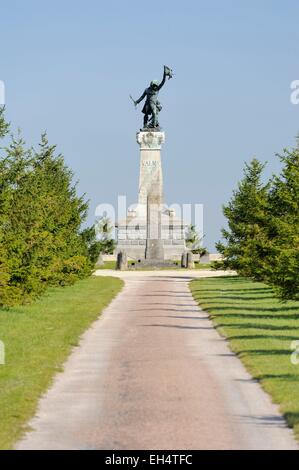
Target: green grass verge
point(260, 330)
point(38, 338)
point(107, 265)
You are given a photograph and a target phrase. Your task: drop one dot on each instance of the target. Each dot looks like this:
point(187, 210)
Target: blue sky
point(70, 66)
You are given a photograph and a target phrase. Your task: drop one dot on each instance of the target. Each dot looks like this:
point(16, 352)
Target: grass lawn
point(107, 265)
point(260, 330)
point(38, 338)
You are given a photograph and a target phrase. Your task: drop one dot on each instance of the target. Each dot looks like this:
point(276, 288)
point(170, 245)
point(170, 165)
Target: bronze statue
point(152, 106)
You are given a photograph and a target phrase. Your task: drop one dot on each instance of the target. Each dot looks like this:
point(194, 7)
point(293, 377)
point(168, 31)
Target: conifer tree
point(4, 271)
point(40, 222)
point(282, 270)
point(93, 246)
point(21, 228)
point(64, 212)
point(104, 230)
point(4, 126)
point(193, 241)
point(245, 247)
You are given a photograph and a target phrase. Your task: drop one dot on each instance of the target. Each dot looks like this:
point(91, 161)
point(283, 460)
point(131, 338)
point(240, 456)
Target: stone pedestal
point(190, 260)
point(121, 261)
point(184, 260)
point(151, 231)
point(150, 176)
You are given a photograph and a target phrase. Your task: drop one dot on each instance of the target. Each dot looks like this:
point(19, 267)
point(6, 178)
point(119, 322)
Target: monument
point(151, 233)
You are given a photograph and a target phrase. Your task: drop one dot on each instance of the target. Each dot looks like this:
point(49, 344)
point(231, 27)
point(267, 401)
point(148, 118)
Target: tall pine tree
point(62, 254)
point(282, 269)
point(245, 246)
point(41, 216)
point(4, 270)
point(22, 230)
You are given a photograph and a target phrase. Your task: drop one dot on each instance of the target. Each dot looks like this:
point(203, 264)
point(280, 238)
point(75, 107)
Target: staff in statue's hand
point(135, 104)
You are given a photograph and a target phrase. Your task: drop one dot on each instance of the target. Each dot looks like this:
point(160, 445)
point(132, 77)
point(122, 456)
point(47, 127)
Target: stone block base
point(136, 249)
point(153, 264)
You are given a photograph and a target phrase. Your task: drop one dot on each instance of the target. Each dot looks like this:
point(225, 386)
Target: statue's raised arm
point(152, 107)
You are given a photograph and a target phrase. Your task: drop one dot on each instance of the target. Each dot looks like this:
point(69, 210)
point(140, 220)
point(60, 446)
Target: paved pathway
point(153, 373)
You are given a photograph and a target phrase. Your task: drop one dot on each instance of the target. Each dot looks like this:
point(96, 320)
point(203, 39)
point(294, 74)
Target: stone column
point(150, 196)
point(150, 178)
point(154, 243)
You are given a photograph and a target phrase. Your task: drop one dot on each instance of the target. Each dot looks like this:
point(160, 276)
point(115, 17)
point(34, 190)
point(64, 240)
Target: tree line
point(261, 240)
point(42, 242)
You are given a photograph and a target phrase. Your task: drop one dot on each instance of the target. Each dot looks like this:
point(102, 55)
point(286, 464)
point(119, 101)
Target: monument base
point(151, 231)
point(132, 236)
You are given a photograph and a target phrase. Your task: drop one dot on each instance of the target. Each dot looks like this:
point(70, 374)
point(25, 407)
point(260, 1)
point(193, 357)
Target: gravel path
point(153, 373)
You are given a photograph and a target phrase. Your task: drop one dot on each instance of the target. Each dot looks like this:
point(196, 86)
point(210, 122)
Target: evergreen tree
point(93, 246)
point(4, 126)
point(65, 259)
point(4, 270)
point(192, 237)
point(41, 217)
point(193, 241)
point(245, 247)
point(282, 270)
point(15, 168)
point(104, 229)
